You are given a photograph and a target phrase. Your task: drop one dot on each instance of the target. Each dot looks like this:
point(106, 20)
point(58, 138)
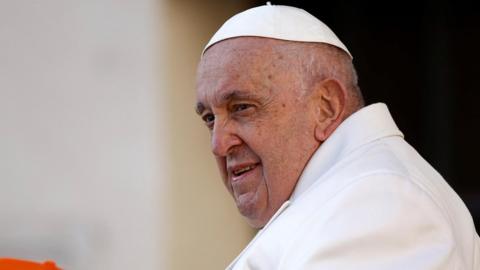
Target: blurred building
point(103, 162)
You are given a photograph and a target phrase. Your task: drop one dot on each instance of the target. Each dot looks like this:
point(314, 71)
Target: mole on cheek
point(283, 105)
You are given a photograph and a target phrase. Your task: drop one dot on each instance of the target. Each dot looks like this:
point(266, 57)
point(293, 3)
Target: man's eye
point(208, 118)
point(241, 107)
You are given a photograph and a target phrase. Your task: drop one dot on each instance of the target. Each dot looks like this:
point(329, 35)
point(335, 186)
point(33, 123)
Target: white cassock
point(367, 201)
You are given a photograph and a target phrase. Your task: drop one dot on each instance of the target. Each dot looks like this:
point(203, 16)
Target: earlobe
point(320, 134)
point(329, 108)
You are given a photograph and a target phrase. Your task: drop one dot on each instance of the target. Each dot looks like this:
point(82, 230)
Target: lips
point(240, 170)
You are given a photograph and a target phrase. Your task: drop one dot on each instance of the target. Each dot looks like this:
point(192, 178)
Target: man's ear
point(329, 107)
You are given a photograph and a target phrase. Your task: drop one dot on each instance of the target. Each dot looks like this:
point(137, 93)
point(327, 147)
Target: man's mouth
point(243, 170)
point(239, 171)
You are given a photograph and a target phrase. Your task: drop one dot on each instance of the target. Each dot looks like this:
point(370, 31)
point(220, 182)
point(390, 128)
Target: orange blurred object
point(15, 264)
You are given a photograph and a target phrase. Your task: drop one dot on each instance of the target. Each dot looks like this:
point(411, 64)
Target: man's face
point(250, 95)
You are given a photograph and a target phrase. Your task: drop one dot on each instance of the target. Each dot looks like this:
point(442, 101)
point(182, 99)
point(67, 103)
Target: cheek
point(286, 142)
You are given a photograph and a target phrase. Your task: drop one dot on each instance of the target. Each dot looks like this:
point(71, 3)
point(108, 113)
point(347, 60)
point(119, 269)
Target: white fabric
point(279, 22)
point(367, 201)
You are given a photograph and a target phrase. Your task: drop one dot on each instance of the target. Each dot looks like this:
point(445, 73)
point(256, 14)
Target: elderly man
point(331, 182)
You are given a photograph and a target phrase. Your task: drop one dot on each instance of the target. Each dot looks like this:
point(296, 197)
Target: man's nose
point(224, 138)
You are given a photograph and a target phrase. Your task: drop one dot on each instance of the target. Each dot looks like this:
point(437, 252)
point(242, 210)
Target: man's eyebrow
point(199, 108)
point(226, 97)
point(237, 94)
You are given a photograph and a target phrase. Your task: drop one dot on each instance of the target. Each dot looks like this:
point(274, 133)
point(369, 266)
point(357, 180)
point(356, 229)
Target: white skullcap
point(279, 22)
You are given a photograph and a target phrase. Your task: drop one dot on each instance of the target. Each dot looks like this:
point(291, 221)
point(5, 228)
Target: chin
point(256, 224)
point(252, 216)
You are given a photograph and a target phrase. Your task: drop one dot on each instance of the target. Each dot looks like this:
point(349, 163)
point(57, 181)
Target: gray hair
point(326, 61)
point(319, 61)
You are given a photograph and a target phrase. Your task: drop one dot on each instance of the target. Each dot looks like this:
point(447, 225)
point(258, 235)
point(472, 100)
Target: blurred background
point(103, 162)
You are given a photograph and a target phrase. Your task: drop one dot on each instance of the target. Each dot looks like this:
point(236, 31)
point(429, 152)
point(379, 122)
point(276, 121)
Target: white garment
point(367, 201)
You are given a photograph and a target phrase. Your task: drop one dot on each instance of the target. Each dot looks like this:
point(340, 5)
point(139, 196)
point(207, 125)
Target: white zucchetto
point(278, 22)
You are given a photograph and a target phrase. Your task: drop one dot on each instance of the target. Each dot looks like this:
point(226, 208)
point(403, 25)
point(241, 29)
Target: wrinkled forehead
point(236, 51)
point(250, 64)
point(246, 55)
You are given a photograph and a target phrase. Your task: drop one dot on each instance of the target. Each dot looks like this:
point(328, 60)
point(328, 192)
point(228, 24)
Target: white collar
point(366, 125)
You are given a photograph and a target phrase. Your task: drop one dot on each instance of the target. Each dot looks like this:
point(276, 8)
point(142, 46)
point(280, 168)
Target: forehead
point(244, 64)
point(239, 57)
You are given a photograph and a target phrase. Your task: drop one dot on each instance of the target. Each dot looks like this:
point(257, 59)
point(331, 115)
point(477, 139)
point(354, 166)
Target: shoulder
point(378, 221)
point(375, 196)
